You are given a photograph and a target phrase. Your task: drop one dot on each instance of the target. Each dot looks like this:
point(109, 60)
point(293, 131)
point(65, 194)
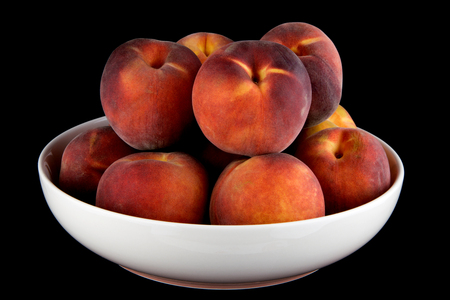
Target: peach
point(144, 84)
point(350, 164)
point(321, 58)
point(203, 44)
point(271, 188)
point(86, 158)
point(252, 97)
point(155, 185)
point(342, 118)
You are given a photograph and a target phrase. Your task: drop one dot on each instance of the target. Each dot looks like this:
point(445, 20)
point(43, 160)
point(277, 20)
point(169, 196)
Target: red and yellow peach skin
point(86, 158)
point(271, 188)
point(203, 44)
point(155, 185)
point(350, 164)
point(252, 97)
point(340, 118)
point(321, 58)
point(146, 92)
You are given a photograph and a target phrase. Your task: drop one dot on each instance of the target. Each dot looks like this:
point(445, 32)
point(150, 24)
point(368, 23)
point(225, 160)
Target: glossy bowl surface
point(208, 256)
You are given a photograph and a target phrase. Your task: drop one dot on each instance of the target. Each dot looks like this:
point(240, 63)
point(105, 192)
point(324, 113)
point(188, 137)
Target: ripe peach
point(307, 132)
point(342, 118)
point(86, 158)
point(264, 189)
point(321, 59)
point(252, 97)
point(350, 164)
point(203, 44)
point(161, 186)
point(145, 84)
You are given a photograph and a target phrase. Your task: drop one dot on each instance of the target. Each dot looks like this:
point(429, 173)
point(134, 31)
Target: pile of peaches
point(211, 131)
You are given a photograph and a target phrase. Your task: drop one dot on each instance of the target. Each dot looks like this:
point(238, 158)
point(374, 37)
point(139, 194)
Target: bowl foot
point(218, 286)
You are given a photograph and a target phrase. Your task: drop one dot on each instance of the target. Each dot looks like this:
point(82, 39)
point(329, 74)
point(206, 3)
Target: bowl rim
point(396, 185)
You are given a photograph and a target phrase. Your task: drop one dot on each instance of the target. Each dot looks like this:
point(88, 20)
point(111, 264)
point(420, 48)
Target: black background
point(62, 59)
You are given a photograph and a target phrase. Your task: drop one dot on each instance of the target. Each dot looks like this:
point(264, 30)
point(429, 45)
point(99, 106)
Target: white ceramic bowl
point(209, 256)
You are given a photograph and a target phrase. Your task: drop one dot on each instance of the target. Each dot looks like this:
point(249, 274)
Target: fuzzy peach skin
point(271, 188)
point(203, 44)
point(350, 164)
point(155, 185)
point(86, 158)
point(146, 92)
point(340, 118)
point(252, 97)
point(307, 132)
point(321, 59)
